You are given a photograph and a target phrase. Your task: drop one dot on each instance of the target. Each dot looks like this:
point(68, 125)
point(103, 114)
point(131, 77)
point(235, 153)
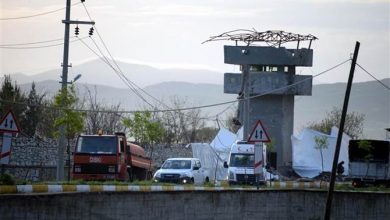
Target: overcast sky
point(168, 33)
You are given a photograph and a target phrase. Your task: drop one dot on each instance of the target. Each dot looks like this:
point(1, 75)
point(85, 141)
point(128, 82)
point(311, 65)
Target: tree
point(71, 119)
point(368, 148)
point(102, 117)
point(143, 128)
point(353, 123)
point(11, 98)
point(33, 112)
point(45, 127)
point(181, 126)
point(321, 142)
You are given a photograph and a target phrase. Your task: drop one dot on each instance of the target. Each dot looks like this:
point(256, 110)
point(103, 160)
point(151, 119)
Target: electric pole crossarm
point(78, 22)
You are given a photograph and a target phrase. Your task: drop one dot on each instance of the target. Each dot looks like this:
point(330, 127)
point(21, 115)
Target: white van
point(241, 164)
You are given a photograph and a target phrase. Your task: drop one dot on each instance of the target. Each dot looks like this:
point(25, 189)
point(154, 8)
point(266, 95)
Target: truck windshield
point(177, 164)
point(97, 145)
point(242, 160)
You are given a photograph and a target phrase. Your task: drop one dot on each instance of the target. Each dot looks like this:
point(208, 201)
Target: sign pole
point(8, 126)
point(258, 137)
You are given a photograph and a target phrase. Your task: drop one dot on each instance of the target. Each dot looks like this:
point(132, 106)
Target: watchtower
point(267, 83)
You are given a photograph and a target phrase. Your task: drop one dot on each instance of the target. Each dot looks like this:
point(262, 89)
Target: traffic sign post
point(258, 136)
point(8, 126)
point(8, 123)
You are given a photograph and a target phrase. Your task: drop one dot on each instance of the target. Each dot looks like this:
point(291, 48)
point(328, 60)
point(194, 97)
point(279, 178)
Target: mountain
point(97, 72)
point(369, 98)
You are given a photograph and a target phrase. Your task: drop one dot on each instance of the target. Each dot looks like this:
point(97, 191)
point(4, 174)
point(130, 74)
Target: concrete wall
point(284, 204)
point(36, 159)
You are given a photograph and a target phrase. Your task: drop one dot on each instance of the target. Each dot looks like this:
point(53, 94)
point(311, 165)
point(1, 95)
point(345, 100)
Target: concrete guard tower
point(267, 83)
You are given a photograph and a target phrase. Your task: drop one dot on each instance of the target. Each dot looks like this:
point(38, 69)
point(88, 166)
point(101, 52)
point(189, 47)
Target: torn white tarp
point(307, 159)
point(214, 154)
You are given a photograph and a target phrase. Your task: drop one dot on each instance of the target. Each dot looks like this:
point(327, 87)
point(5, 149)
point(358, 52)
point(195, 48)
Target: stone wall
point(36, 159)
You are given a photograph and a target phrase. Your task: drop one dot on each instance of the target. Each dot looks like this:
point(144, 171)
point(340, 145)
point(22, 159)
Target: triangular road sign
point(9, 124)
point(258, 134)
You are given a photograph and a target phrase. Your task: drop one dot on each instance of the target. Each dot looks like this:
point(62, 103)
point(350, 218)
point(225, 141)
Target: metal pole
point(64, 83)
point(245, 114)
point(340, 134)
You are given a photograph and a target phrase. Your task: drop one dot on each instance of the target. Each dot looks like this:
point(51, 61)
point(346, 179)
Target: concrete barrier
point(196, 204)
point(120, 188)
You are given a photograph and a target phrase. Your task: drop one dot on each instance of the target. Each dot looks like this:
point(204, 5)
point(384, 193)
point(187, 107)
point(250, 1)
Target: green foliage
point(71, 119)
point(353, 125)
point(33, 113)
point(11, 97)
point(321, 142)
point(367, 147)
point(143, 128)
point(271, 145)
point(7, 179)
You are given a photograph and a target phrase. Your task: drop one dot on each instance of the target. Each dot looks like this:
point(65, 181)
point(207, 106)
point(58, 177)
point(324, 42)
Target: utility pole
point(64, 84)
point(340, 134)
point(246, 103)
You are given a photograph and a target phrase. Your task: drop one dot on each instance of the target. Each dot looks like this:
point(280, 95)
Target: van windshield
point(242, 160)
point(177, 164)
point(97, 145)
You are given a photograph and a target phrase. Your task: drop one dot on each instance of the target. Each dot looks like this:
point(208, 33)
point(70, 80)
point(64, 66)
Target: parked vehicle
point(241, 164)
point(182, 170)
point(370, 164)
point(109, 157)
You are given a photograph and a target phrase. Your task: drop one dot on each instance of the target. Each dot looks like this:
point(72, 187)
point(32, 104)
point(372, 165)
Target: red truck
point(109, 157)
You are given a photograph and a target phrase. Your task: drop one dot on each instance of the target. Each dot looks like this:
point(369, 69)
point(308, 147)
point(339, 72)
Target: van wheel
point(207, 180)
point(192, 180)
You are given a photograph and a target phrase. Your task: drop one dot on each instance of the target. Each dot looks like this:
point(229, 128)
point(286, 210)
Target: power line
point(117, 66)
point(384, 85)
point(36, 15)
point(105, 60)
point(36, 47)
point(29, 43)
point(119, 71)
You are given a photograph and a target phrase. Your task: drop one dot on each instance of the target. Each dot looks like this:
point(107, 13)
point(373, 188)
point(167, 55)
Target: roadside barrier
point(7, 189)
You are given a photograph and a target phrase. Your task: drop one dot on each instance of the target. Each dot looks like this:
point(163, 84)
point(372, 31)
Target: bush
point(7, 179)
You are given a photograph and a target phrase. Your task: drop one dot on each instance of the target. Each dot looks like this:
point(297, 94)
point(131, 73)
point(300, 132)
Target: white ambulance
point(242, 162)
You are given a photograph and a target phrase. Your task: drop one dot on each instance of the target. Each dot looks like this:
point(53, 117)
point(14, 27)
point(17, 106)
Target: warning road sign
point(9, 124)
point(258, 134)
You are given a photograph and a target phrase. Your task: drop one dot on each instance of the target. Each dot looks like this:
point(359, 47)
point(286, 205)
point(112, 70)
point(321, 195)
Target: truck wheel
point(192, 180)
point(207, 180)
point(357, 183)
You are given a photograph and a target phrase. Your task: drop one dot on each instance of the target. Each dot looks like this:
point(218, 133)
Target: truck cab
point(109, 157)
point(241, 163)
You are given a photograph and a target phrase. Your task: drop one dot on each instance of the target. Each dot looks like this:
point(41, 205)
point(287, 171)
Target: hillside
point(97, 72)
point(369, 98)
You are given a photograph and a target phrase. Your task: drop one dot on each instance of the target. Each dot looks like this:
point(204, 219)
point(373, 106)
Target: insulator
point(77, 30)
point(91, 31)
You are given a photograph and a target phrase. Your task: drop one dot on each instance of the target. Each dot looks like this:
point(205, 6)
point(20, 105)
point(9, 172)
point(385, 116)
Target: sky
point(169, 33)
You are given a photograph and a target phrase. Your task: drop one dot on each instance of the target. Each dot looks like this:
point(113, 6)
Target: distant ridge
point(369, 98)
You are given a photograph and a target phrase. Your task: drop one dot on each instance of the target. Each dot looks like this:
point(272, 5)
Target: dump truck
point(369, 163)
point(110, 157)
